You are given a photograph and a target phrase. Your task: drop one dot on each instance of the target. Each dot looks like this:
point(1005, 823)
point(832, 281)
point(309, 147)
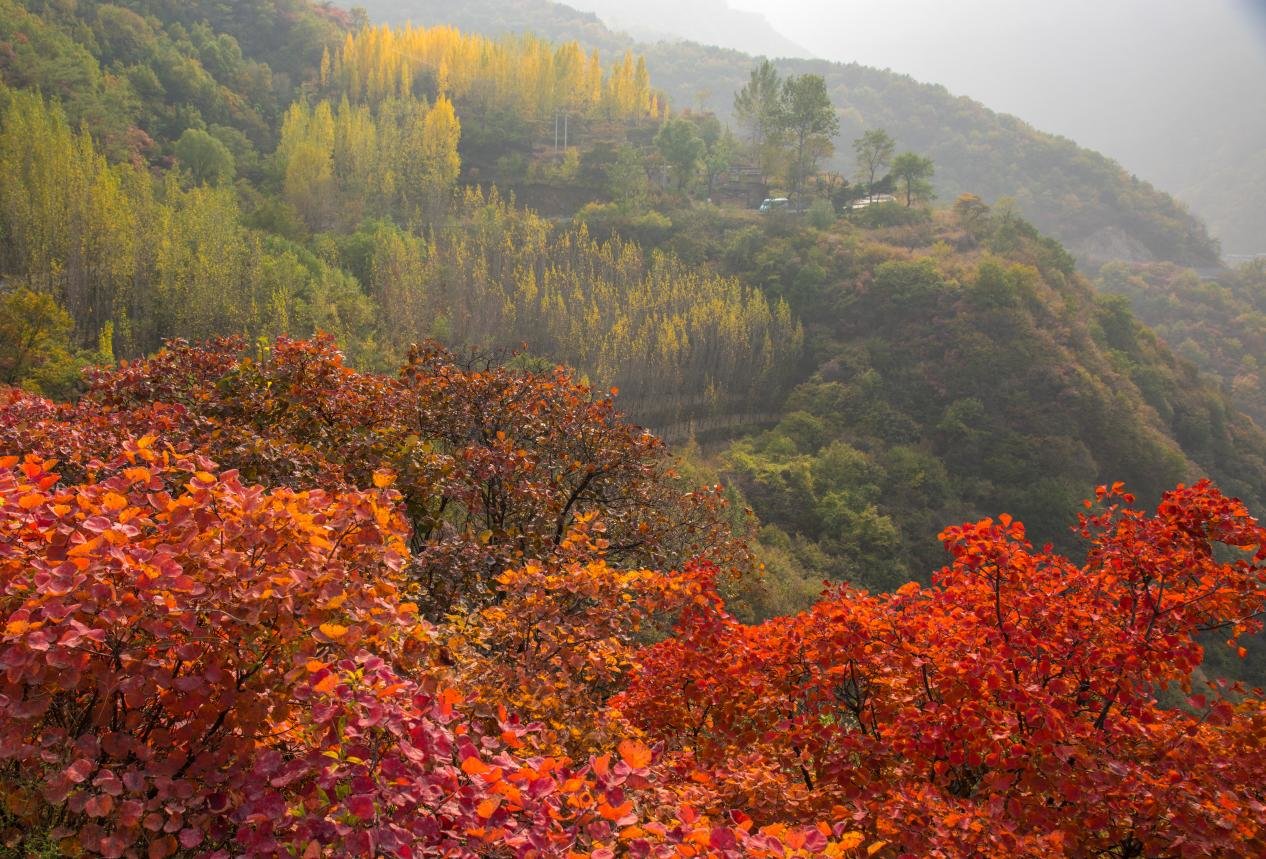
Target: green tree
point(721, 147)
point(35, 349)
point(810, 121)
point(874, 153)
point(719, 158)
point(626, 181)
point(682, 147)
point(758, 107)
point(207, 159)
point(914, 177)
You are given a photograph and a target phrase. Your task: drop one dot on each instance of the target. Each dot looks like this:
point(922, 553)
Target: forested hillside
point(1013, 386)
point(354, 615)
point(1217, 324)
point(1090, 203)
point(329, 524)
point(961, 365)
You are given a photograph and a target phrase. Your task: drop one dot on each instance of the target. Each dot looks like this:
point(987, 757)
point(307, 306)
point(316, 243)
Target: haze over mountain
point(710, 22)
point(1170, 88)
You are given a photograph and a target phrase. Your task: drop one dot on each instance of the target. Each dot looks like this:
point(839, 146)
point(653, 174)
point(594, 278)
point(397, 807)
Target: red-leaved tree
point(1009, 709)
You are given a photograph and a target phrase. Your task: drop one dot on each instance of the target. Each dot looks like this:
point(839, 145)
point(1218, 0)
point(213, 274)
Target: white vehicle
point(769, 204)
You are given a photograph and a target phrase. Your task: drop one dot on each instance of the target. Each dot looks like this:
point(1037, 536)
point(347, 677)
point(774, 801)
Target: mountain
point(350, 539)
point(858, 379)
point(709, 22)
point(1196, 127)
point(1090, 203)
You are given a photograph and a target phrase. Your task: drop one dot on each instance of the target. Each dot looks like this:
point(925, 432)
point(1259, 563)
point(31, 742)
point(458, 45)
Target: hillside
point(1091, 204)
point(957, 364)
point(710, 321)
point(771, 340)
point(1218, 324)
point(337, 516)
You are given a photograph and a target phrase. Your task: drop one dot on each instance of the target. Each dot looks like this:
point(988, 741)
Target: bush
point(890, 215)
point(821, 214)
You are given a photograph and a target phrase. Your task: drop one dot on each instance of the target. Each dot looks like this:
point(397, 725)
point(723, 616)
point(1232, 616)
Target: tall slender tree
point(758, 107)
point(810, 122)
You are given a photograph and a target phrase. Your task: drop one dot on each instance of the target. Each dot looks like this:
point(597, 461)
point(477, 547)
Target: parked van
point(770, 203)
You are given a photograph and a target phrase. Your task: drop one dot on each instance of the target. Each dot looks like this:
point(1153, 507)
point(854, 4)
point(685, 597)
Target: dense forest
point(1216, 323)
point(338, 364)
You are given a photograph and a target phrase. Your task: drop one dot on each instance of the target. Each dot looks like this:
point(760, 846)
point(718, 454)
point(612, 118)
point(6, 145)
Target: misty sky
point(1150, 82)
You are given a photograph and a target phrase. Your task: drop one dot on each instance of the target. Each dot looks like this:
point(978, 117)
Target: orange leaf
point(384, 477)
point(635, 754)
point(474, 766)
point(486, 808)
point(327, 685)
point(849, 840)
point(615, 812)
point(17, 627)
point(449, 699)
point(333, 630)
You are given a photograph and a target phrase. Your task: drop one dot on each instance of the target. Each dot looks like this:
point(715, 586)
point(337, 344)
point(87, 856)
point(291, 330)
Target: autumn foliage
point(1008, 709)
point(271, 606)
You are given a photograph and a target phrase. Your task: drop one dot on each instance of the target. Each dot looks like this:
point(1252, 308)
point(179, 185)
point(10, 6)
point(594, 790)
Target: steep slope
point(1088, 202)
point(1170, 88)
point(140, 72)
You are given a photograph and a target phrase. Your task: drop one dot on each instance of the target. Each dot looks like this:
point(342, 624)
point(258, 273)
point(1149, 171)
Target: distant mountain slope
point(710, 22)
point(1231, 190)
point(1087, 201)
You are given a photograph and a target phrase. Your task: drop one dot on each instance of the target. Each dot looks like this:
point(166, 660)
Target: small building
point(872, 201)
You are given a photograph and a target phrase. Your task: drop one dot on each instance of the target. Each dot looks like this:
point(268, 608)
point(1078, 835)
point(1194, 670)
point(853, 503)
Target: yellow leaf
point(333, 630)
point(384, 477)
point(875, 848)
point(204, 477)
point(17, 627)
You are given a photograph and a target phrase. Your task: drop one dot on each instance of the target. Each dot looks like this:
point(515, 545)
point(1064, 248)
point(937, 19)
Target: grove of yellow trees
point(522, 74)
point(342, 164)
